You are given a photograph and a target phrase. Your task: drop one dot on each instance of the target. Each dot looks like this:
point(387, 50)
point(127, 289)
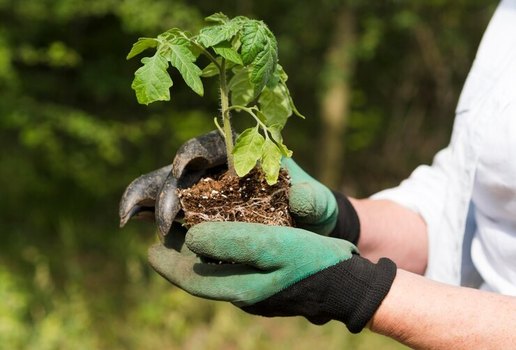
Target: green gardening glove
point(275, 271)
point(317, 209)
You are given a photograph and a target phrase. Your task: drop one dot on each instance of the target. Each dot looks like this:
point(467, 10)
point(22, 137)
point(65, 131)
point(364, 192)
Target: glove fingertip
point(301, 201)
point(199, 237)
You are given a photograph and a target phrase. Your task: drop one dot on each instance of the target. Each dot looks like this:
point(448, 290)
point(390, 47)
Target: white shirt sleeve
point(441, 193)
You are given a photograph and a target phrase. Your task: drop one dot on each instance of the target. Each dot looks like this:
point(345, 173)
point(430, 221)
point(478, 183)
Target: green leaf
point(210, 70)
point(275, 104)
point(141, 45)
point(278, 76)
point(284, 150)
point(172, 34)
point(271, 161)
point(247, 150)
point(151, 81)
point(254, 39)
point(225, 50)
point(218, 17)
point(275, 132)
point(259, 49)
point(263, 68)
point(281, 73)
point(182, 58)
point(210, 36)
point(242, 90)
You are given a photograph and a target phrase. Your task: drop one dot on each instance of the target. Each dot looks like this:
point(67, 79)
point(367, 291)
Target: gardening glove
point(276, 271)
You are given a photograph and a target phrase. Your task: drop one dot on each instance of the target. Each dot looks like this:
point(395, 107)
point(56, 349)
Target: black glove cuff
point(350, 291)
point(364, 286)
point(348, 224)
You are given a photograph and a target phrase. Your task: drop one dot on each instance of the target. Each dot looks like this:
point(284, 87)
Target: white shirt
point(467, 197)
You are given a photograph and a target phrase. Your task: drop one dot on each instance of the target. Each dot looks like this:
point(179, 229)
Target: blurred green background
point(378, 81)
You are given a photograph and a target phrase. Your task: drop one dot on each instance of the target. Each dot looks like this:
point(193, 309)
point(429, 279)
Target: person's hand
point(275, 271)
point(316, 208)
point(313, 206)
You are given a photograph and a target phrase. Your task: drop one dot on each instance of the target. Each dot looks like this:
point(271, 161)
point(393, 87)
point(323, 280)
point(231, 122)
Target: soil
point(221, 197)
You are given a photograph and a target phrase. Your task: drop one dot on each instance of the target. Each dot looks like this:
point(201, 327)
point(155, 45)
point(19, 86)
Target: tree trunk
point(335, 101)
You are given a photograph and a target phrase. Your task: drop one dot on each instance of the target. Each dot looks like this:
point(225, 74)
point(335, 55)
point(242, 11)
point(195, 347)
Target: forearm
point(424, 314)
point(388, 229)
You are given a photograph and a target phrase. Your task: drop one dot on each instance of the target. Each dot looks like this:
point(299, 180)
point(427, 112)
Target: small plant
point(243, 53)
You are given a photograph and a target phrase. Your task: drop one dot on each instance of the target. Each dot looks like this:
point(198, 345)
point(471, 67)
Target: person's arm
point(388, 229)
point(424, 314)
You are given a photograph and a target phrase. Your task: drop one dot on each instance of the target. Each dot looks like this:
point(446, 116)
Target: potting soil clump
point(221, 197)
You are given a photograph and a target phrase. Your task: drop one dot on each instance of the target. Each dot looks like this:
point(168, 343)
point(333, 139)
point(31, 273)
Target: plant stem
point(251, 113)
point(226, 117)
point(203, 50)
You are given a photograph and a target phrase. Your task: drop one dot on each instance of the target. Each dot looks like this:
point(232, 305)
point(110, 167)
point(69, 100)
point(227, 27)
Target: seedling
point(243, 53)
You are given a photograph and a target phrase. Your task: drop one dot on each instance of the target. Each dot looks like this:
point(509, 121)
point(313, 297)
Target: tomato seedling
point(243, 53)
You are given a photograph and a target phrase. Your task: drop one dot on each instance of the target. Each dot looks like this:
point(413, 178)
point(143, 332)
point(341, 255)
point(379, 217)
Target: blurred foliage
point(73, 136)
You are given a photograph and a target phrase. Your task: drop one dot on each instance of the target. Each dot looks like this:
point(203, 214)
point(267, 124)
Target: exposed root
point(226, 198)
